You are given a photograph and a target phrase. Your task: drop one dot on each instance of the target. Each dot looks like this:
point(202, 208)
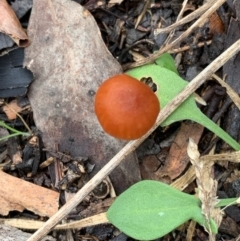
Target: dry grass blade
point(116, 160)
point(86, 222)
point(191, 231)
point(140, 17)
point(182, 182)
point(34, 224)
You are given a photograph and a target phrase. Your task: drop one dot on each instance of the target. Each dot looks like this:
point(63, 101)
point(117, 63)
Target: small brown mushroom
point(125, 107)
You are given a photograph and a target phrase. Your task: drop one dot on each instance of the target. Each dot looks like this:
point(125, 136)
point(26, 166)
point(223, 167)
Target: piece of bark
point(10, 25)
point(14, 79)
point(177, 159)
point(70, 61)
point(17, 194)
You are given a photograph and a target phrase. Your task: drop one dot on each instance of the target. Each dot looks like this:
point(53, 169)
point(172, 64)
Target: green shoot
point(15, 132)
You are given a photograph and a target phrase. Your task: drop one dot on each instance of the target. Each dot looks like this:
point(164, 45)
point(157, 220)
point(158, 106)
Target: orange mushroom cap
point(125, 107)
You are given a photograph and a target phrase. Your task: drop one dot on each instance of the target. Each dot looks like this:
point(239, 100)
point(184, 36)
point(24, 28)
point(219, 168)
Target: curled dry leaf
point(10, 25)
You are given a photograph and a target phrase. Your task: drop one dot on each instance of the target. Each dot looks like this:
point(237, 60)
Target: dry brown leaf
point(10, 25)
point(12, 109)
point(177, 159)
point(70, 61)
point(216, 24)
point(149, 166)
point(17, 194)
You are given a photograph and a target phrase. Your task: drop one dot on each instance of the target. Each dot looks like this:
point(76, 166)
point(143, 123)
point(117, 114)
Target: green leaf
point(226, 202)
point(169, 85)
point(151, 209)
point(167, 61)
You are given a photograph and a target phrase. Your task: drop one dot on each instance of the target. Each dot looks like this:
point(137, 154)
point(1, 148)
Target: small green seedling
point(169, 85)
point(14, 131)
point(150, 209)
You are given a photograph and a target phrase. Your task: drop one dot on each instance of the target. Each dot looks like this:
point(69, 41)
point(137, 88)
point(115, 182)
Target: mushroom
point(125, 107)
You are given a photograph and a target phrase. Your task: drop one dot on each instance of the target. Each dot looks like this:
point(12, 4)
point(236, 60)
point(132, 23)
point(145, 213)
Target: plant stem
point(209, 124)
point(14, 134)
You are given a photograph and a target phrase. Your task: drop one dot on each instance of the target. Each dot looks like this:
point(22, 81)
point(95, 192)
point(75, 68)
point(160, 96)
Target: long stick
point(116, 160)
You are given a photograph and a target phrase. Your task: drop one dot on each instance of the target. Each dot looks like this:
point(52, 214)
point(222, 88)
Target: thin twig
point(140, 17)
point(116, 160)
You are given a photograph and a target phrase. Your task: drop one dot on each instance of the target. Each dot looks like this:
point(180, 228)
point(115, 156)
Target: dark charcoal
point(14, 79)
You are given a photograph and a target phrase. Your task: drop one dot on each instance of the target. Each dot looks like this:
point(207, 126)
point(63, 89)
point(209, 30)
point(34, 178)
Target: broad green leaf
point(151, 209)
point(169, 85)
point(167, 61)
